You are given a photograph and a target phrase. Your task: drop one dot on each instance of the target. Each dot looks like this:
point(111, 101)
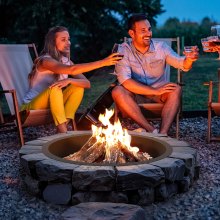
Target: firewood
point(141, 157)
point(121, 158)
point(94, 152)
point(128, 154)
point(112, 155)
point(77, 155)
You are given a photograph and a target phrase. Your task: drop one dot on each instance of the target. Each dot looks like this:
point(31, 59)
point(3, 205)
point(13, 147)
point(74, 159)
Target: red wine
point(120, 55)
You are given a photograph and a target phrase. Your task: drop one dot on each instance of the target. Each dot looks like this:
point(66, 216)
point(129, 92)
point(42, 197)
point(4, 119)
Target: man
point(141, 74)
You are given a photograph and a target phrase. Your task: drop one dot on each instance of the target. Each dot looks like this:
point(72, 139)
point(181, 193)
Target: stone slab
point(188, 150)
point(58, 193)
point(28, 162)
point(138, 176)
point(104, 211)
point(94, 178)
point(147, 196)
point(110, 196)
point(54, 170)
point(55, 136)
point(36, 142)
point(173, 142)
point(189, 159)
point(30, 149)
point(173, 168)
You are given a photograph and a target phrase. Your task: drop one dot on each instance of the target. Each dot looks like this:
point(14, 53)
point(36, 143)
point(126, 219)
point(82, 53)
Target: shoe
point(155, 131)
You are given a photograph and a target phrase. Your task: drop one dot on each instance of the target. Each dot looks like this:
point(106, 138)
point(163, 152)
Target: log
point(128, 154)
point(77, 155)
point(142, 156)
point(112, 155)
point(94, 152)
point(121, 158)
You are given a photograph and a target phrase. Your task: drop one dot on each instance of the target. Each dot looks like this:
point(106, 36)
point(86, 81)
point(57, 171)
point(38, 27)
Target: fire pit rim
point(168, 151)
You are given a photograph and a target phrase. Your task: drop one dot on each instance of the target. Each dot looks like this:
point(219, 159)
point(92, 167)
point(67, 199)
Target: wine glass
point(117, 49)
point(215, 30)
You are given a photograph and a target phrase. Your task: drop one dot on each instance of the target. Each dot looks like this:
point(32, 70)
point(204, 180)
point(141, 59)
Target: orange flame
point(113, 134)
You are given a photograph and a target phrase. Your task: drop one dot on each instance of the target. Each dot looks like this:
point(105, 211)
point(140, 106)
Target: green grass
point(195, 94)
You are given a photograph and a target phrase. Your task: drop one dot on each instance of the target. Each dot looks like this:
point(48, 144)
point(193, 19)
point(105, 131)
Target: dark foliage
point(94, 25)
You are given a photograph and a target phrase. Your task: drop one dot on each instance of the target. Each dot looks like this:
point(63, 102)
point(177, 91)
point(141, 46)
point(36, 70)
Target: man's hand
point(193, 55)
point(169, 87)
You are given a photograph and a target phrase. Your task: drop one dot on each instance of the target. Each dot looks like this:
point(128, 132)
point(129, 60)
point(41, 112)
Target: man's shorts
point(150, 98)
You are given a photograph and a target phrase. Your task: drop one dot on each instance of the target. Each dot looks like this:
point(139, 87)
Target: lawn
point(195, 94)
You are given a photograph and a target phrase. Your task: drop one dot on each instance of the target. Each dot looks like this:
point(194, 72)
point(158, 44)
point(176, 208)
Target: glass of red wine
point(117, 49)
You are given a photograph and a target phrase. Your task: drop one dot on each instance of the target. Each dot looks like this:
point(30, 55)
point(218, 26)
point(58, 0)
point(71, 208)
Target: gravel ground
point(202, 201)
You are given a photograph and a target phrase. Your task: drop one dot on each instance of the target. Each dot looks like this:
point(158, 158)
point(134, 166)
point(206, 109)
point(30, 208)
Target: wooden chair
point(153, 110)
point(213, 106)
point(15, 65)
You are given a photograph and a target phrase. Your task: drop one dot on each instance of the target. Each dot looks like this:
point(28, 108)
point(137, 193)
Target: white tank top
point(42, 80)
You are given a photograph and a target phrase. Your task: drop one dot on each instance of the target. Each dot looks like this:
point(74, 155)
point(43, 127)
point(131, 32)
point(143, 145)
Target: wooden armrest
point(213, 82)
point(7, 91)
point(180, 84)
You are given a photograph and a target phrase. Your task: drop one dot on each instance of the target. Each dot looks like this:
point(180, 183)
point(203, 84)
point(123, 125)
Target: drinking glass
point(215, 30)
point(117, 49)
point(189, 50)
point(206, 45)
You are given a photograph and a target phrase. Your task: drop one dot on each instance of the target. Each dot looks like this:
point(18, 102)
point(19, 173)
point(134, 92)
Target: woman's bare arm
point(53, 65)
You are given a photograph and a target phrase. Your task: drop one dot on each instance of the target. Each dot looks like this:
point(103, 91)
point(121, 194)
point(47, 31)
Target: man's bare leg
point(124, 99)
point(170, 109)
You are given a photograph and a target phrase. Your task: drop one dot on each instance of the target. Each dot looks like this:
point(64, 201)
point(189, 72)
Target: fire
point(113, 135)
point(109, 144)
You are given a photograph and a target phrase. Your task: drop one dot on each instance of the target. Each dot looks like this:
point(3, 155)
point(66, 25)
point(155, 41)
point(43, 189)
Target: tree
point(94, 25)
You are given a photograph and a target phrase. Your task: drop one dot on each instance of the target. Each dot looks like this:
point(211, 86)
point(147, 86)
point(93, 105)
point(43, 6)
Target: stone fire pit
point(46, 174)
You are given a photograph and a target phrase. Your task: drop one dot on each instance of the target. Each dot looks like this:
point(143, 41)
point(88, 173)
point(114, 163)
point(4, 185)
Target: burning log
point(78, 156)
point(94, 152)
point(111, 145)
point(112, 154)
point(121, 158)
point(128, 154)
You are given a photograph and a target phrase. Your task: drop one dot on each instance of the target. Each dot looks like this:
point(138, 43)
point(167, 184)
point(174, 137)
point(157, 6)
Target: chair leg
point(17, 117)
point(74, 125)
point(209, 124)
point(1, 116)
point(177, 124)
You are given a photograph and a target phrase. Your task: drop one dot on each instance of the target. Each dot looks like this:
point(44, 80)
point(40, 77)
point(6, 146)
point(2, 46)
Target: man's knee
point(117, 92)
point(178, 90)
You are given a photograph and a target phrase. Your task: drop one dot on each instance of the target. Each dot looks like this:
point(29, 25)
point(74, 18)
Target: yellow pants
point(62, 103)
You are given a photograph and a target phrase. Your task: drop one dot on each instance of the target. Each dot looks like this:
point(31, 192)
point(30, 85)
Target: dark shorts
point(150, 99)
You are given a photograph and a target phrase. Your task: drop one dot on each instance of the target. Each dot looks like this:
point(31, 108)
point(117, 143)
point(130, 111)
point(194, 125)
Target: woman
point(50, 86)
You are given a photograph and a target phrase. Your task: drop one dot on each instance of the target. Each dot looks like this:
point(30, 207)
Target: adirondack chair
point(15, 65)
point(153, 110)
point(213, 106)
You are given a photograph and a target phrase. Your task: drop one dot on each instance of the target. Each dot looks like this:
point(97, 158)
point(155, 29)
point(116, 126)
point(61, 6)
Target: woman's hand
point(61, 83)
point(112, 59)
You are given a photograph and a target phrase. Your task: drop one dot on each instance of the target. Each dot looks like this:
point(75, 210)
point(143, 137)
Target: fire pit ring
point(59, 181)
point(62, 147)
